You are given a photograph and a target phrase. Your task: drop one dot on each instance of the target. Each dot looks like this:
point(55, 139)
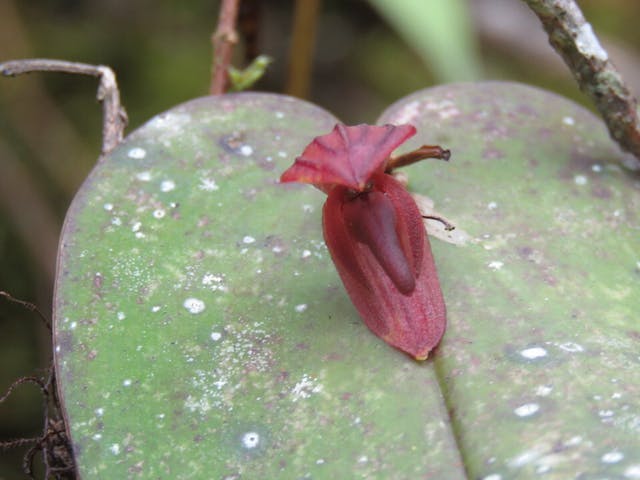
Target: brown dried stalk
point(223, 40)
point(114, 117)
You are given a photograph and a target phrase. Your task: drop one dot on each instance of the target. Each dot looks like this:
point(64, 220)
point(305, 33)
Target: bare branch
point(114, 118)
point(573, 38)
point(223, 40)
point(32, 307)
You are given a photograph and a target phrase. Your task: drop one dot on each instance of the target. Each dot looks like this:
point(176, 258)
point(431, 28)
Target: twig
point(223, 40)
point(302, 46)
point(114, 118)
point(573, 38)
point(32, 307)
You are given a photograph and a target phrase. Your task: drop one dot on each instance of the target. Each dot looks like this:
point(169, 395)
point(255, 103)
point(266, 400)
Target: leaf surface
point(201, 329)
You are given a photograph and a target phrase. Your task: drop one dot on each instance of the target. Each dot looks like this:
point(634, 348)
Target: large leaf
point(541, 362)
point(201, 328)
point(202, 332)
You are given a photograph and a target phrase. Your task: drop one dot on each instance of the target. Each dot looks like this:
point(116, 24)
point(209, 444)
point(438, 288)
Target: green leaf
point(439, 31)
point(244, 79)
point(201, 330)
point(539, 365)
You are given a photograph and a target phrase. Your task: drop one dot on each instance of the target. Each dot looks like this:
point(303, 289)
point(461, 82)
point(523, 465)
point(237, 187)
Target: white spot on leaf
point(306, 387)
point(612, 457)
point(580, 180)
point(246, 150)
point(144, 176)
point(527, 409)
point(633, 472)
point(208, 185)
point(167, 185)
point(193, 305)
point(496, 265)
point(533, 353)
point(543, 390)
point(571, 347)
point(137, 153)
point(250, 440)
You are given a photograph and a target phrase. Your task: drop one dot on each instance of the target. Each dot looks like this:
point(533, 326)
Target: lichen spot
point(215, 336)
point(543, 390)
point(246, 150)
point(568, 121)
point(250, 440)
point(527, 410)
point(633, 471)
point(496, 265)
point(571, 347)
point(137, 153)
point(144, 176)
point(208, 184)
point(580, 180)
point(533, 353)
point(194, 305)
point(588, 44)
point(612, 457)
point(167, 185)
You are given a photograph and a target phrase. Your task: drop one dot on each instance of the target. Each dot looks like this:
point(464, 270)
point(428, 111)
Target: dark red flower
point(375, 234)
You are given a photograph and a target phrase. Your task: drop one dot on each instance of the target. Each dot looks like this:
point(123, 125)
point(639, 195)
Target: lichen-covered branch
point(114, 118)
point(573, 38)
point(224, 39)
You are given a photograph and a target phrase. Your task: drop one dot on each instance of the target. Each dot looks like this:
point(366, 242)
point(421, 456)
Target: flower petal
point(347, 156)
point(411, 321)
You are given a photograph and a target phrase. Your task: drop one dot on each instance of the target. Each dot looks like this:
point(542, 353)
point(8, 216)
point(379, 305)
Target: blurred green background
point(368, 54)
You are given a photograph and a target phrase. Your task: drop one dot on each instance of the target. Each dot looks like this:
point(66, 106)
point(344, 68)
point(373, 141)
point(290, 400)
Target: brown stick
point(114, 117)
point(573, 38)
point(32, 307)
point(302, 46)
point(223, 40)
point(422, 153)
